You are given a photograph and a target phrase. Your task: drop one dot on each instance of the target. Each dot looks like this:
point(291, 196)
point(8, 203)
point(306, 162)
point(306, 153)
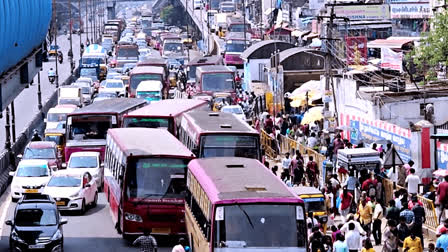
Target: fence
point(8, 158)
point(430, 211)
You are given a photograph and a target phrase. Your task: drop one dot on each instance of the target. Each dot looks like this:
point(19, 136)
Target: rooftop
point(211, 122)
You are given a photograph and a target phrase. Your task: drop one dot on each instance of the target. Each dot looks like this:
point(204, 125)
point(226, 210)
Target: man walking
point(377, 216)
point(147, 242)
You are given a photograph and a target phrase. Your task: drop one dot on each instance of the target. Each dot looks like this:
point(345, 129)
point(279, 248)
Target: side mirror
point(11, 173)
point(63, 221)
point(19, 156)
point(8, 222)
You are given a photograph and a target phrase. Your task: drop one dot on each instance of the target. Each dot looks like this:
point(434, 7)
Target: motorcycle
point(51, 79)
point(60, 57)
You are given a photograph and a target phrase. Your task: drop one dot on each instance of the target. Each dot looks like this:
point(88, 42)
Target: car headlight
point(76, 195)
point(15, 187)
point(16, 237)
point(57, 235)
point(133, 217)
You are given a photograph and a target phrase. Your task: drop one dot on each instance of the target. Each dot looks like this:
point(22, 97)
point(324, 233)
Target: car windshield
point(172, 47)
point(35, 217)
point(156, 177)
point(47, 153)
point(127, 52)
point(69, 101)
point(64, 181)
point(229, 146)
point(83, 162)
point(234, 110)
point(256, 226)
point(192, 72)
point(88, 72)
point(238, 28)
point(85, 90)
point(148, 122)
point(56, 117)
point(150, 95)
point(235, 47)
point(32, 171)
point(137, 78)
point(106, 95)
point(217, 82)
point(114, 84)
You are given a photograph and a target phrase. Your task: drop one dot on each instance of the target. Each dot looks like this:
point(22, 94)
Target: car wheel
point(95, 200)
point(83, 207)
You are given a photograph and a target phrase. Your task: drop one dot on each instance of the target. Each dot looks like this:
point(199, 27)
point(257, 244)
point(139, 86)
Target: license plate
point(37, 246)
point(60, 203)
point(161, 230)
point(31, 191)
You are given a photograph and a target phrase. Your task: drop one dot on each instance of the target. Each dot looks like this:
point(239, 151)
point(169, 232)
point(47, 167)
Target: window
point(204, 225)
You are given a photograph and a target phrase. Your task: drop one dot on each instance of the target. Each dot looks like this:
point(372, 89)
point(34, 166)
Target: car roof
point(69, 173)
point(80, 79)
point(36, 205)
point(33, 162)
point(41, 145)
point(64, 109)
point(85, 154)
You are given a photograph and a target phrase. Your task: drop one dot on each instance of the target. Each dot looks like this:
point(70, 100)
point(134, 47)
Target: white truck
point(70, 95)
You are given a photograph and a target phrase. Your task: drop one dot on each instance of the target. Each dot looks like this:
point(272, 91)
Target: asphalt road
point(94, 231)
point(26, 103)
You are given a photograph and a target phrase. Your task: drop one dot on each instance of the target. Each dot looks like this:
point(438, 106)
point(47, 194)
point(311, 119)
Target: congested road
point(94, 231)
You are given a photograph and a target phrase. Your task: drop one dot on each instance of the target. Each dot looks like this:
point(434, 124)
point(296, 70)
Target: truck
point(125, 53)
point(70, 95)
point(90, 68)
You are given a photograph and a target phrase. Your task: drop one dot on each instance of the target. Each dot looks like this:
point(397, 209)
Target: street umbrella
point(312, 89)
point(313, 114)
point(440, 173)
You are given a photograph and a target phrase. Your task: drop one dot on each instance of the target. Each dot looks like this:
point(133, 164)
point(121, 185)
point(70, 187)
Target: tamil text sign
point(363, 12)
point(411, 10)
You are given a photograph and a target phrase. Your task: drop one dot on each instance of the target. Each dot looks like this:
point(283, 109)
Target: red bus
point(236, 204)
point(86, 128)
point(144, 181)
point(142, 73)
point(219, 135)
point(163, 114)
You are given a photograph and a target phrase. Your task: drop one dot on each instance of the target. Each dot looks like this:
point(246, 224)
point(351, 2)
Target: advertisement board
point(356, 50)
point(391, 60)
point(362, 12)
point(442, 155)
point(410, 11)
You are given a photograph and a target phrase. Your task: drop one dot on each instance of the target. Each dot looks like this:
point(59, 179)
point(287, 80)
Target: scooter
point(51, 79)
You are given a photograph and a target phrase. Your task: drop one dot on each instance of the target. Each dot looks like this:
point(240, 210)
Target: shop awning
point(389, 43)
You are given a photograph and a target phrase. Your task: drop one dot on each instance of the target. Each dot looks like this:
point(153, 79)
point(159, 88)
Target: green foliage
point(433, 49)
point(167, 14)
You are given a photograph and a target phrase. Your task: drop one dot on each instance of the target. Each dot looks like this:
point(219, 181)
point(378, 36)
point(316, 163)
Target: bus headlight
point(133, 217)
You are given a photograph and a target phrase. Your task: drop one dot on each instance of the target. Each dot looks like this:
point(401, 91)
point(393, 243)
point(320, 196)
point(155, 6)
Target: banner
point(442, 155)
point(411, 11)
point(362, 11)
point(391, 60)
point(356, 48)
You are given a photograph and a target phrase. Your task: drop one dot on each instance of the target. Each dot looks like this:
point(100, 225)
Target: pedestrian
point(340, 245)
point(409, 215)
point(269, 124)
point(180, 247)
point(311, 142)
point(286, 163)
point(442, 194)
point(408, 166)
point(367, 246)
point(351, 219)
point(316, 240)
point(440, 227)
point(274, 170)
point(299, 170)
point(346, 201)
point(352, 182)
point(147, 242)
point(328, 243)
point(390, 237)
point(312, 170)
point(334, 232)
point(398, 198)
point(432, 247)
point(412, 180)
point(337, 145)
point(365, 215)
point(403, 231)
point(412, 243)
point(353, 239)
point(377, 221)
point(419, 219)
point(442, 241)
point(402, 173)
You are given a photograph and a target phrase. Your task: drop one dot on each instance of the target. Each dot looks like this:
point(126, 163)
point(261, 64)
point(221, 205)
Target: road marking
point(5, 204)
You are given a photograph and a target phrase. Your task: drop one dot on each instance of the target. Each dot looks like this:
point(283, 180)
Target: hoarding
point(410, 11)
point(356, 50)
point(362, 12)
point(391, 60)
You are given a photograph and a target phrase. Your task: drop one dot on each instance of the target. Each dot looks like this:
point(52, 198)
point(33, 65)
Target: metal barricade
point(267, 143)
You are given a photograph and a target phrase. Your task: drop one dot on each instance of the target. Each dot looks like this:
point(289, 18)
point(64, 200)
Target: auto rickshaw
point(57, 136)
point(314, 203)
point(53, 52)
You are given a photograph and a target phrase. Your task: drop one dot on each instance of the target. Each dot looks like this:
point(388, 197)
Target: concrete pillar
point(422, 149)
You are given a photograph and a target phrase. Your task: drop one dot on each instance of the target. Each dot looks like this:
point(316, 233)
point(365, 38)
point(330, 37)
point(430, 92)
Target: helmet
point(187, 248)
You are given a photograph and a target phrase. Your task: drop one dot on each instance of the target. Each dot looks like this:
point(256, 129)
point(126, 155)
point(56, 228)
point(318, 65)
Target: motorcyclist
point(60, 57)
point(51, 73)
point(36, 136)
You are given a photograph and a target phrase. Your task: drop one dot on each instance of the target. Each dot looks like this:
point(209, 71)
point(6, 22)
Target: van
point(57, 115)
point(70, 95)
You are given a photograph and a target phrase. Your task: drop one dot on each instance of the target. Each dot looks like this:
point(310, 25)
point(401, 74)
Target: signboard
point(391, 60)
point(373, 131)
point(442, 155)
point(411, 11)
point(356, 50)
point(362, 11)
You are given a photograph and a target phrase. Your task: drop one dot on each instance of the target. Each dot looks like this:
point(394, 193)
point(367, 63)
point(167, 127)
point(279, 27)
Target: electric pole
point(70, 54)
point(80, 28)
point(87, 21)
point(55, 34)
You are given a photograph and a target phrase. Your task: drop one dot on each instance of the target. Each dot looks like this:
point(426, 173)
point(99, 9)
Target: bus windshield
point(229, 146)
point(156, 178)
point(85, 127)
point(148, 122)
point(255, 226)
point(238, 28)
point(137, 78)
point(235, 47)
point(127, 52)
point(217, 82)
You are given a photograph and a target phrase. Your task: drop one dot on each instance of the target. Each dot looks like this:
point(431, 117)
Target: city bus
point(211, 80)
point(163, 114)
point(207, 60)
point(86, 128)
point(144, 181)
point(142, 73)
point(216, 134)
point(235, 44)
point(236, 204)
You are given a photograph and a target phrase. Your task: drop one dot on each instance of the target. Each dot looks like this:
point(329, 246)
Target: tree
point(167, 14)
point(432, 54)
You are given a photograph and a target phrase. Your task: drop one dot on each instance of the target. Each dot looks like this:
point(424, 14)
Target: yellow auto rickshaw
point(57, 136)
point(314, 203)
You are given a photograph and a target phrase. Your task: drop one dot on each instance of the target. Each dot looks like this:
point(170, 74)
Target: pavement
point(26, 104)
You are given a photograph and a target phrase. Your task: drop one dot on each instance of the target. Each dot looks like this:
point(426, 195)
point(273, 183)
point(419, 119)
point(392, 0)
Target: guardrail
point(431, 221)
point(8, 159)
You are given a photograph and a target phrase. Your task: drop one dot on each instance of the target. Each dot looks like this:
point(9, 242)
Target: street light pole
point(55, 34)
point(70, 54)
point(80, 27)
point(39, 92)
point(87, 20)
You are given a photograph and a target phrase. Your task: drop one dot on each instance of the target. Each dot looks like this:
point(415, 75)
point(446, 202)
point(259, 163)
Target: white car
point(114, 86)
point(236, 110)
point(86, 91)
point(72, 190)
point(31, 176)
point(88, 161)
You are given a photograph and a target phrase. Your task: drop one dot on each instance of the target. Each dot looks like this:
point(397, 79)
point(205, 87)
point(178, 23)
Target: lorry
point(91, 69)
point(125, 53)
